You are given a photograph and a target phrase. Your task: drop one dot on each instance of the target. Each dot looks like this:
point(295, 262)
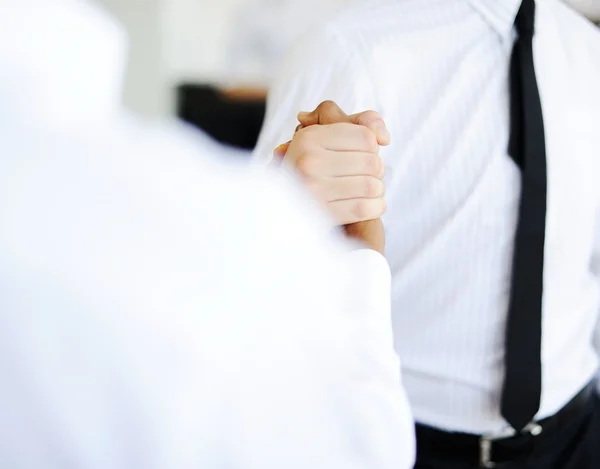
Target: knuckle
point(368, 209)
point(305, 164)
point(305, 138)
point(370, 116)
point(308, 134)
point(327, 106)
point(362, 210)
point(369, 138)
point(372, 187)
point(342, 211)
point(372, 164)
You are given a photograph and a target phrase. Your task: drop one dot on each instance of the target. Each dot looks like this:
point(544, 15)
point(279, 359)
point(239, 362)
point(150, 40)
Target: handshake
point(337, 157)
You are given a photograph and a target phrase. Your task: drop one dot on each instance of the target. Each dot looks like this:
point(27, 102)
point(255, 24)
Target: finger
point(337, 137)
point(340, 164)
point(281, 150)
point(329, 112)
point(326, 113)
point(372, 120)
point(345, 188)
point(356, 210)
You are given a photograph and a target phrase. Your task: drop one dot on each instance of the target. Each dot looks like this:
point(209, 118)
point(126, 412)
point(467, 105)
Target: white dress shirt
point(437, 70)
point(158, 309)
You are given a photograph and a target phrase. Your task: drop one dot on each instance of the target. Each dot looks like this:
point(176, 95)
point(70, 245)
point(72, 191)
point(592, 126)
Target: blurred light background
point(210, 61)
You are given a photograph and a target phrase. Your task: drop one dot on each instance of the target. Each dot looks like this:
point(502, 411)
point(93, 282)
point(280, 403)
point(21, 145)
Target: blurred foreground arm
point(140, 327)
point(264, 349)
point(159, 310)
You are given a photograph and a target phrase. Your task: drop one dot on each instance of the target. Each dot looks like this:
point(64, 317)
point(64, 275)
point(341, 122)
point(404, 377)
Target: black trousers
point(597, 441)
point(576, 445)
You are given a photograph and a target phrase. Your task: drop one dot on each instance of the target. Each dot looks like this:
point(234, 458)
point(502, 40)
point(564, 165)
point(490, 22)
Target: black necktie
point(523, 376)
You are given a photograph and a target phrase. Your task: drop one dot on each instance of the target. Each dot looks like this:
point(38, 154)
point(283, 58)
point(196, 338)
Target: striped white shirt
point(437, 70)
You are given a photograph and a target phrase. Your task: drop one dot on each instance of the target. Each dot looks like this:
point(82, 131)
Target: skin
point(341, 166)
point(337, 156)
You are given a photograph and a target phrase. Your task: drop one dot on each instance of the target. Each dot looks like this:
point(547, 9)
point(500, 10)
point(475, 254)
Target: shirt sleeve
point(381, 410)
point(344, 397)
point(321, 67)
point(142, 326)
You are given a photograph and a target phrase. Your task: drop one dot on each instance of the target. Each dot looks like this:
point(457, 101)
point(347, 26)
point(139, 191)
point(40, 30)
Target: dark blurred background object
point(232, 117)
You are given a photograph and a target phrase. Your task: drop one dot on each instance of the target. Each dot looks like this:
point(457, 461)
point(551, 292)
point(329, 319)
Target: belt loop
point(486, 442)
point(485, 453)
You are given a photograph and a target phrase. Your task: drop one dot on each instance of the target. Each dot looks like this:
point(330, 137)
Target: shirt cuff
point(373, 282)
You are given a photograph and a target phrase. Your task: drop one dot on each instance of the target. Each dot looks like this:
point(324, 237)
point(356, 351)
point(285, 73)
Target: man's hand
point(338, 157)
point(330, 113)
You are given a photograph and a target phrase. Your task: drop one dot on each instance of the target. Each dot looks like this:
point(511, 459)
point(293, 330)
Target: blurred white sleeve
point(382, 413)
point(320, 67)
point(595, 266)
point(160, 311)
